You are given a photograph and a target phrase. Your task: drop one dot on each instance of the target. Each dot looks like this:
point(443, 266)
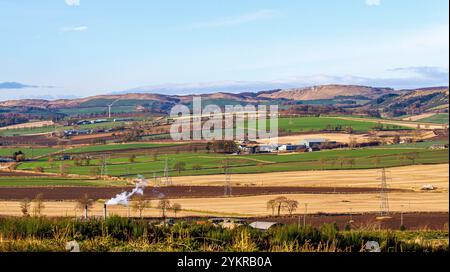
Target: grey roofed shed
point(264, 225)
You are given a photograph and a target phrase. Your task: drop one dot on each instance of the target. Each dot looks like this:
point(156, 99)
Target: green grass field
point(438, 119)
point(49, 129)
point(115, 147)
point(27, 131)
point(212, 163)
point(306, 124)
point(54, 181)
point(421, 145)
point(29, 151)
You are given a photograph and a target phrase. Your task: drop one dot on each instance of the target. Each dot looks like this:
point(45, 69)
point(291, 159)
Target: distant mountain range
point(385, 99)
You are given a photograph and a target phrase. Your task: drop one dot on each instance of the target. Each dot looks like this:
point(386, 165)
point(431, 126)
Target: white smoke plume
point(123, 198)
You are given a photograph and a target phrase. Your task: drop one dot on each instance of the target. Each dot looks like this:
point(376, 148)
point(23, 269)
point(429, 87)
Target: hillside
point(413, 102)
point(327, 92)
point(389, 101)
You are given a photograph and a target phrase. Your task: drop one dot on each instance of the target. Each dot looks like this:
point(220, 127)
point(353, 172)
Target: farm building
point(267, 148)
point(439, 146)
point(313, 142)
point(291, 148)
point(264, 225)
point(83, 122)
point(2, 159)
point(76, 132)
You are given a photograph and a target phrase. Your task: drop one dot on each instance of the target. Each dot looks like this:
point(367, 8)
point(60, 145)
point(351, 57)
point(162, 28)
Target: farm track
point(73, 193)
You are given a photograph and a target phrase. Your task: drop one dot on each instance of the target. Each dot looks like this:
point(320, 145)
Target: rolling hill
point(413, 102)
point(389, 101)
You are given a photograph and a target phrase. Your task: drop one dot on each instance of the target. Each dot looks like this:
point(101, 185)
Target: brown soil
point(20, 174)
point(73, 193)
point(412, 221)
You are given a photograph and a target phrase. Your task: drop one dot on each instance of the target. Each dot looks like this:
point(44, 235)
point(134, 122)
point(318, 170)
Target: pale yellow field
point(29, 125)
point(295, 139)
point(430, 126)
point(346, 138)
point(418, 117)
point(408, 177)
point(256, 205)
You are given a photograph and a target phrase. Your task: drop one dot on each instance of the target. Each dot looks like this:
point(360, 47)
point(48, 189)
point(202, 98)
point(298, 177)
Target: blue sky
point(85, 47)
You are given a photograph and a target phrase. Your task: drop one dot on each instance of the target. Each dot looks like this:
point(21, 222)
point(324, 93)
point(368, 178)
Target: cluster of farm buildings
point(307, 145)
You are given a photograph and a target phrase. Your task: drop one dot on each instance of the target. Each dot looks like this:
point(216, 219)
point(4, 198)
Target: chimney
point(104, 211)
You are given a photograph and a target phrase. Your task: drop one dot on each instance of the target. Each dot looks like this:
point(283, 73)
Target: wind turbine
point(109, 107)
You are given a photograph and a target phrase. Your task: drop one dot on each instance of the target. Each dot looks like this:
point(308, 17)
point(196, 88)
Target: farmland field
point(27, 131)
point(207, 164)
point(306, 124)
point(437, 118)
point(53, 181)
point(30, 152)
point(53, 128)
point(115, 147)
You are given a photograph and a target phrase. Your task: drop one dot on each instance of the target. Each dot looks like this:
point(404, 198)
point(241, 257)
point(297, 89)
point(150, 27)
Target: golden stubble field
point(256, 205)
point(410, 178)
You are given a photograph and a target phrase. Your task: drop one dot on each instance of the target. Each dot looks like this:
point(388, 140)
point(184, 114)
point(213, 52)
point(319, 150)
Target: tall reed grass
point(123, 234)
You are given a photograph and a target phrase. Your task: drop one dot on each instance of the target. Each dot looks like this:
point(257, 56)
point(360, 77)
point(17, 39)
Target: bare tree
point(353, 143)
point(64, 169)
point(271, 206)
point(351, 162)
point(140, 203)
point(132, 158)
point(95, 171)
point(413, 157)
point(179, 166)
point(291, 206)
point(164, 205)
point(279, 204)
point(85, 203)
point(38, 206)
point(376, 161)
point(342, 161)
point(176, 208)
point(25, 207)
point(322, 162)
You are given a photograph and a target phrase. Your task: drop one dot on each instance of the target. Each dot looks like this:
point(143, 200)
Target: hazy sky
point(85, 47)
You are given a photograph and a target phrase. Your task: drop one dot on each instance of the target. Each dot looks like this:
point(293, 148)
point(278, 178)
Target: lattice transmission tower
point(228, 188)
point(167, 180)
point(384, 198)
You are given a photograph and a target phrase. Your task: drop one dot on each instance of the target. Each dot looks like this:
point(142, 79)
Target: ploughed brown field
point(175, 192)
point(412, 221)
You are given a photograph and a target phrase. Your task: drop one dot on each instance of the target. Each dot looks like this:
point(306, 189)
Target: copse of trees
point(279, 204)
point(227, 147)
point(19, 156)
